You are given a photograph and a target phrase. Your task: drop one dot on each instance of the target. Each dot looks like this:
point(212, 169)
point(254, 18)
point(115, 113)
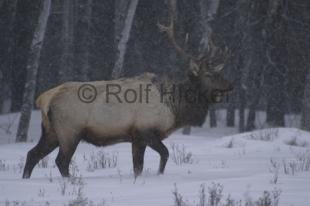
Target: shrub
point(3, 166)
point(43, 163)
point(101, 160)
point(215, 197)
point(295, 142)
point(178, 198)
point(230, 144)
point(265, 134)
point(180, 155)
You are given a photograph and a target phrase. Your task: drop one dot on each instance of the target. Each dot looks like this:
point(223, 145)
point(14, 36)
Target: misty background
point(44, 43)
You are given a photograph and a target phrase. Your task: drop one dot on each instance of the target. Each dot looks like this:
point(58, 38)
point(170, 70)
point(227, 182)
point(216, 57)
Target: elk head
point(204, 69)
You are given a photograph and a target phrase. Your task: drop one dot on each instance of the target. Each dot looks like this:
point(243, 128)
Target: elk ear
point(194, 67)
point(218, 68)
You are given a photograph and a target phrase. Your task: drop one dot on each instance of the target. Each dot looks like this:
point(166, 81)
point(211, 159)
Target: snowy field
point(229, 165)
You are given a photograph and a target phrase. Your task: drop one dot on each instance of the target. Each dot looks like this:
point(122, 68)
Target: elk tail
point(43, 102)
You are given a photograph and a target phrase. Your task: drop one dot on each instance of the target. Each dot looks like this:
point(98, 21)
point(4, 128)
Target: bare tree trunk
point(7, 59)
point(208, 9)
point(6, 101)
point(85, 30)
point(242, 95)
point(230, 114)
point(242, 103)
point(250, 125)
point(32, 70)
point(244, 58)
point(212, 113)
point(276, 51)
point(66, 66)
point(122, 44)
point(121, 7)
point(256, 46)
point(1, 3)
point(305, 115)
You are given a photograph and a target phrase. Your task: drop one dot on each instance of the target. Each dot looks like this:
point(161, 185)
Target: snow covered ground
point(244, 164)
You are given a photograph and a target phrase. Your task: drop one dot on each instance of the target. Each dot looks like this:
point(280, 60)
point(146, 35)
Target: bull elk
point(109, 119)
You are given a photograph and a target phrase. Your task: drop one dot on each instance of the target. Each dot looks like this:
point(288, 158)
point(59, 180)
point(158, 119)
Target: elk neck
point(187, 104)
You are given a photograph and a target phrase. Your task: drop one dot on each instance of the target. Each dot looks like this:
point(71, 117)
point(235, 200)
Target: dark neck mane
point(187, 109)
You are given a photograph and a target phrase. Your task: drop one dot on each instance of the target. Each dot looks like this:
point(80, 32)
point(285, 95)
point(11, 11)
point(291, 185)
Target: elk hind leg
point(47, 143)
point(66, 150)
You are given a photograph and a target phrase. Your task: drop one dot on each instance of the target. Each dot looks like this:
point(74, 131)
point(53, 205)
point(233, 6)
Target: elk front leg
point(153, 140)
point(159, 147)
point(138, 149)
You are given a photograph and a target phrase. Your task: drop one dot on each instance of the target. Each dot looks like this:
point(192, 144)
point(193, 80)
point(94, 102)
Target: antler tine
point(170, 30)
point(212, 49)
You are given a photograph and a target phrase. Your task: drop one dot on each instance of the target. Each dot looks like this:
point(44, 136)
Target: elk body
point(112, 116)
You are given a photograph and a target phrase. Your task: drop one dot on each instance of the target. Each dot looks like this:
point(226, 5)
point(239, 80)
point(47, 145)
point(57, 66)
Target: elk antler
point(215, 53)
point(212, 49)
point(170, 30)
